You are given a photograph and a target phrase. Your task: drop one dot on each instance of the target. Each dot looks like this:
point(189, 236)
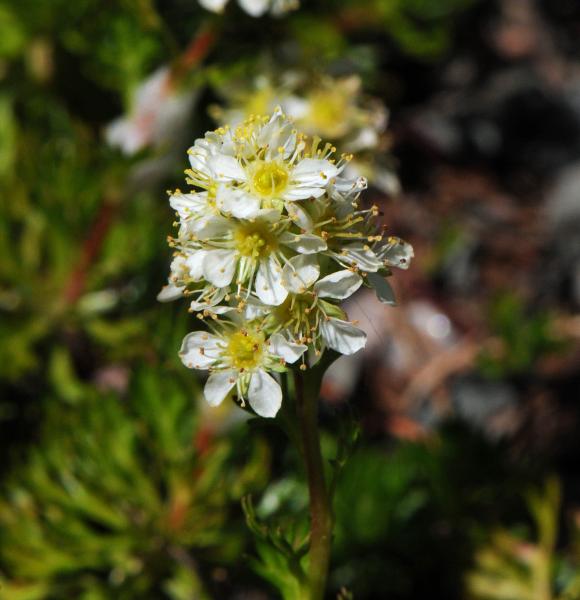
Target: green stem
point(306, 389)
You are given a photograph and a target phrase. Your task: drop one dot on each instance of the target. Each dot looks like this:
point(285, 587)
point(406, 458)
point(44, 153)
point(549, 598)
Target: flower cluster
point(333, 108)
point(271, 238)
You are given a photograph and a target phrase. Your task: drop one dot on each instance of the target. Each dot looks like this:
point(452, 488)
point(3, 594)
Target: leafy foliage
point(523, 338)
point(411, 510)
point(512, 568)
point(121, 501)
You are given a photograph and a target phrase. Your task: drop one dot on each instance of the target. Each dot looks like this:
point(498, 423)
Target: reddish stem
point(199, 47)
point(90, 250)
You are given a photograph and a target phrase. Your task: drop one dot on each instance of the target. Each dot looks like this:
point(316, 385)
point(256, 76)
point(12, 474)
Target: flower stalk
point(271, 238)
point(306, 389)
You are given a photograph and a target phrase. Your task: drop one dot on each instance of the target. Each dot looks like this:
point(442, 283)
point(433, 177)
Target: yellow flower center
point(328, 113)
point(270, 179)
point(245, 349)
point(297, 312)
point(255, 240)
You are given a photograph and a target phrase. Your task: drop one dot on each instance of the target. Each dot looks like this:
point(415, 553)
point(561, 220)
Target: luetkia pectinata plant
point(271, 238)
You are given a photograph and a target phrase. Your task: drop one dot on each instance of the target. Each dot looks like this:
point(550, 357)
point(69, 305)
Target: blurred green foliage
point(117, 42)
point(282, 547)
point(59, 183)
point(119, 500)
point(511, 567)
point(523, 337)
point(410, 510)
point(421, 28)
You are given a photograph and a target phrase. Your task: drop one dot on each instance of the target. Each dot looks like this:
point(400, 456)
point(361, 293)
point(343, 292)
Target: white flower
point(255, 8)
point(342, 336)
point(249, 253)
point(261, 99)
point(334, 108)
point(176, 282)
point(186, 279)
point(331, 108)
point(349, 232)
point(308, 314)
point(395, 252)
point(241, 359)
point(271, 239)
point(159, 111)
point(198, 212)
point(264, 158)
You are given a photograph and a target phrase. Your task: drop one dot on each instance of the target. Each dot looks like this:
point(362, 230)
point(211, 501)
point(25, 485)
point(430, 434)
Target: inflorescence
point(270, 239)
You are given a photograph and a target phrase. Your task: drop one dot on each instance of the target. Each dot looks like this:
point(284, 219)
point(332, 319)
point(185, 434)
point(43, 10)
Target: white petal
point(209, 226)
point(253, 309)
point(397, 253)
point(188, 205)
point(152, 90)
point(179, 268)
point(194, 264)
point(268, 284)
point(199, 350)
point(363, 258)
point(302, 192)
point(255, 8)
point(278, 132)
point(382, 288)
point(339, 285)
point(350, 185)
point(314, 172)
point(238, 203)
point(264, 394)
point(270, 215)
point(295, 107)
point(199, 154)
point(218, 386)
point(300, 216)
point(289, 351)
point(219, 267)
point(367, 137)
point(170, 292)
point(124, 133)
point(213, 5)
point(227, 168)
point(221, 310)
point(207, 300)
point(342, 336)
point(305, 243)
point(300, 273)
